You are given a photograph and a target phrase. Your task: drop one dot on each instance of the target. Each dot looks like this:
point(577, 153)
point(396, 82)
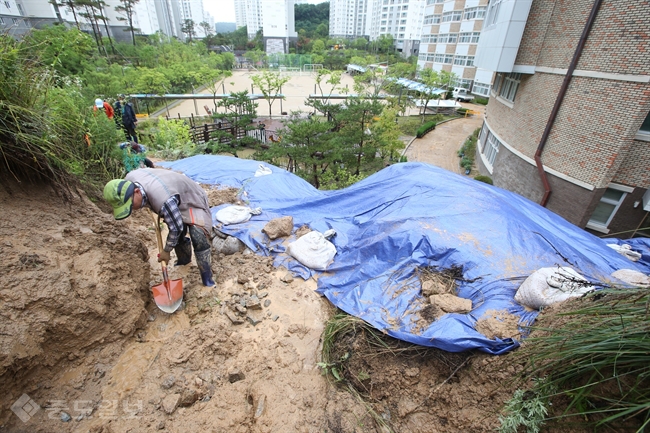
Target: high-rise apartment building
point(450, 35)
point(403, 20)
point(150, 16)
point(274, 17)
point(350, 18)
point(240, 13)
point(568, 122)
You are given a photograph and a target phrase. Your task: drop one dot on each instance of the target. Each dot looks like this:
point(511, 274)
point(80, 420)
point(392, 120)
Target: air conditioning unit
point(646, 201)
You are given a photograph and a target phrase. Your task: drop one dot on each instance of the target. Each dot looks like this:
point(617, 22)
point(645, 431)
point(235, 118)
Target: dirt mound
point(72, 281)
point(84, 349)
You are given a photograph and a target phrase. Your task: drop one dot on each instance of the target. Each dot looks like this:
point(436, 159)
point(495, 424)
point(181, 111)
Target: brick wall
point(635, 169)
point(571, 201)
point(536, 27)
point(620, 38)
point(619, 41)
point(593, 131)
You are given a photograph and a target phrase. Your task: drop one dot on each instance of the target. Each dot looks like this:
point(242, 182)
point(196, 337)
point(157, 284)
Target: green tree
point(237, 118)
point(386, 133)
point(309, 17)
point(255, 56)
point(65, 50)
point(325, 76)
point(318, 46)
point(70, 5)
point(207, 28)
point(270, 84)
point(126, 8)
point(360, 43)
point(89, 12)
point(307, 148)
point(188, 28)
point(213, 80)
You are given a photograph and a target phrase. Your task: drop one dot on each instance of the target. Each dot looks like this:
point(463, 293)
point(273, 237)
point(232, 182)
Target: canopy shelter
point(356, 69)
point(418, 87)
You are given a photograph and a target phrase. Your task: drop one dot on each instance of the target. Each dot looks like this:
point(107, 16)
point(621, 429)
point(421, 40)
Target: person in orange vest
point(105, 106)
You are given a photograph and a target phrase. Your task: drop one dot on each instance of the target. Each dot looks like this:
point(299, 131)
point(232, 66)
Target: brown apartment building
point(568, 122)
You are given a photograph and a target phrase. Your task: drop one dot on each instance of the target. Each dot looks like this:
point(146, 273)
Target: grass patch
point(468, 151)
point(354, 352)
point(596, 357)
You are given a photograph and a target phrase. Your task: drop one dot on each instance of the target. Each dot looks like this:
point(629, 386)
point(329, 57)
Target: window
point(481, 89)
point(460, 60)
point(475, 37)
point(510, 86)
point(474, 13)
point(444, 58)
point(2, 20)
point(497, 82)
point(492, 14)
point(489, 145)
point(8, 5)
point(644, 130)
point(464, 38)
point(452, 16)
point(606, 209)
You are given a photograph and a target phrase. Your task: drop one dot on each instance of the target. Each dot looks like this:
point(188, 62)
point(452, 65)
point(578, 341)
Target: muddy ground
point(83, 348)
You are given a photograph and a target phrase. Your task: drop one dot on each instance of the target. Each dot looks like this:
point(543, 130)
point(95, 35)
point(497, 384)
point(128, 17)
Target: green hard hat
point(119, 193)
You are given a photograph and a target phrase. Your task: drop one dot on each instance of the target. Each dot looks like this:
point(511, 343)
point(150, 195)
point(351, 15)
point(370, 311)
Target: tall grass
point(597, 360)
point(48, 132)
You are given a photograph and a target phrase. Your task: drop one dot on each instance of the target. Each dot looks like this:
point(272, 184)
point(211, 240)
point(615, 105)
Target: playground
point(295, 92)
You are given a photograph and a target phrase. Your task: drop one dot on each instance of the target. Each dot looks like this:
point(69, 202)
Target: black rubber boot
point(183, 252)
point(204, 262)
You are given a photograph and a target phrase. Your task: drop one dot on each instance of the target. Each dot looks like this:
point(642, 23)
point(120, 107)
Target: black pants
point(129, 132)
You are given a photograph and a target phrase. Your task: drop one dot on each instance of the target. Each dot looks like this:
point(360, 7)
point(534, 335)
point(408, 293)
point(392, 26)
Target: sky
point(223, 11)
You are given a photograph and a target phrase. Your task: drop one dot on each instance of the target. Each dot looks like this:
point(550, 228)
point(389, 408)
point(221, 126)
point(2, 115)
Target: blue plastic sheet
point(407, 217)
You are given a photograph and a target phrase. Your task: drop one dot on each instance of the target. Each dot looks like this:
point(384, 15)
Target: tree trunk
point(108, 33)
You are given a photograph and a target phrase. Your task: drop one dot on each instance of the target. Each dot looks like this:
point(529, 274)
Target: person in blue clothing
point(129, 121)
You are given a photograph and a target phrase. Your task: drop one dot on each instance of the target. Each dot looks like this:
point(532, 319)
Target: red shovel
point(168, 295)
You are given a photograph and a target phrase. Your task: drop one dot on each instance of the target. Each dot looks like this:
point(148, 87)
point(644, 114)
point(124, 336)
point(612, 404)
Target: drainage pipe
point(560, 98)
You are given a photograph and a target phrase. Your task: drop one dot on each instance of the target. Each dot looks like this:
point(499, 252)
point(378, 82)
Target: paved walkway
point(440, 146)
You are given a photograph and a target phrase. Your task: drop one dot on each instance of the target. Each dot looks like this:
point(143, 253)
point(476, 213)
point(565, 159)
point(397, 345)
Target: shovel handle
point(163, 263)
point(156, 223)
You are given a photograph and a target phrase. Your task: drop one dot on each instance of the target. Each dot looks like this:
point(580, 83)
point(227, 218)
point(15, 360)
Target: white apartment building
point(240, 13)
point(350, 18)
point(193, 10)
point(402, 19)
point(276, 19)
point(450, 34)
point(150, 16)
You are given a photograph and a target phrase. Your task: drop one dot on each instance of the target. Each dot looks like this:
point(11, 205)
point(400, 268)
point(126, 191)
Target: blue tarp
point(410, 216)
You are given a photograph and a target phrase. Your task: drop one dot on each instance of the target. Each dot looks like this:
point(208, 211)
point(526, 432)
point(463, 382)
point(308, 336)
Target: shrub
point(466, 163)
point(425, 128)
point(461, 110)
point(482, 101)
point(482, 178)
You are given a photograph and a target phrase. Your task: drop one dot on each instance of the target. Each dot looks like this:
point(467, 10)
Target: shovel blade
point(168, 297)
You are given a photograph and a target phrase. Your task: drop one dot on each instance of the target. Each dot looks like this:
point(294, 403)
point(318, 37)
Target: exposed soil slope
point(81, 337)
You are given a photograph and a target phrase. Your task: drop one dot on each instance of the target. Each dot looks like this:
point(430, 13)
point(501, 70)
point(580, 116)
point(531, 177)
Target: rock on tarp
point(409, 216)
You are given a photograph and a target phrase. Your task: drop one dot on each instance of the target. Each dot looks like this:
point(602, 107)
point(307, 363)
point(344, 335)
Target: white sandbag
point(228, 246)
point(627, 251)
point(632, 277)
point(312, 250)
point(236, 214)
point(262, 170)
point(547, 286)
